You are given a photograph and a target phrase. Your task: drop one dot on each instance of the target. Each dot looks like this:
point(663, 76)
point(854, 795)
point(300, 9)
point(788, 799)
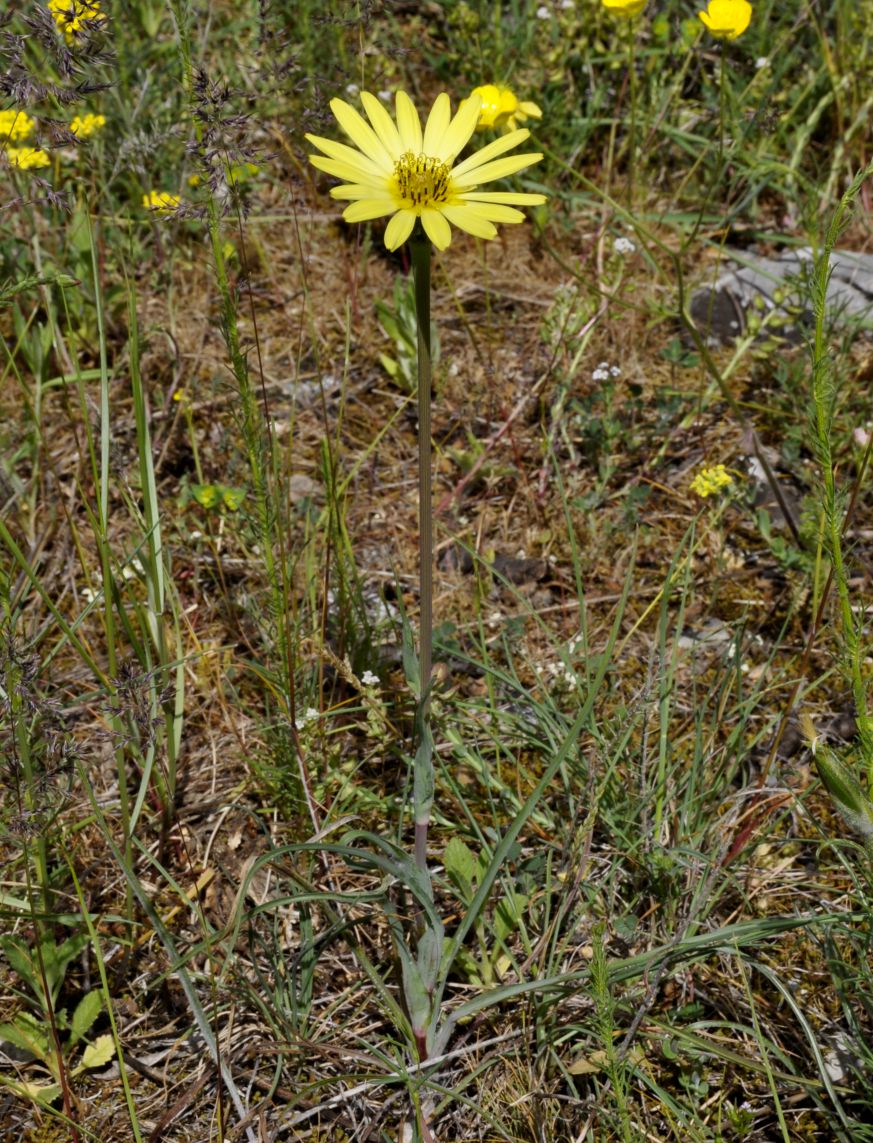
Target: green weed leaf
point(98, 1054)
point(87, 1011)
point(27, 1035)
point(461, 867)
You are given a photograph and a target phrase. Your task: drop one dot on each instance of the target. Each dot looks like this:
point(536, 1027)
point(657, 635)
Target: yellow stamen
point(421, 180)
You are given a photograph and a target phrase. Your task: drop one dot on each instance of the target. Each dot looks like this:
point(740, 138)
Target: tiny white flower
point(615, 370)
point(309, 715)
point(352, 89)
point(385, 96)
point(88, 595)
point(369, 679)
point(543, 13)
point(623, 246)
point(762, 62)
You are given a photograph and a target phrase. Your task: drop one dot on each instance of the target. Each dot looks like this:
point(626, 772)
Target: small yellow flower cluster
point(26, 157)
point(83, 126)
point(161, 202)
point(15, 126)
point(75, 17)
point(629, 8)
point(724, 19)
point(711, 480)
point(502, 108)
point(727, 19)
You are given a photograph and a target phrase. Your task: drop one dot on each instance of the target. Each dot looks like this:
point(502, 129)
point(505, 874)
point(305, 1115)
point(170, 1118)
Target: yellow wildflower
point(14, 126)
point(727, 19)
point(75, 17)
point(502, 108)
point(710, 480)
point(161, 202)
point(84, 125)
point(241, 172)
point(625, 7)
point(414, 176)
point(26, 157)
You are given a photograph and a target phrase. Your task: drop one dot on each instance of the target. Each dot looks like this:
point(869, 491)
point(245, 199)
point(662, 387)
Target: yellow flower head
point(711, 480)
point(14, 126)
point(502, 108)
point(76, 17)
point(26, 157)
point(396, 169)
point(625, 7)
point(84, 125)
point(727, 19)
point(161, 202)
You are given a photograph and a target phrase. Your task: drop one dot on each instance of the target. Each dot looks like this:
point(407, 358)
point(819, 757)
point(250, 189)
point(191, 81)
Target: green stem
point(722, 99)
point(423, 778)
point(632, 76)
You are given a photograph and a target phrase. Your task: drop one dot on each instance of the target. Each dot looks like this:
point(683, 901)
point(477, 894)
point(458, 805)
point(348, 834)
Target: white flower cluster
point(605, 371)
point(623, 246)
point(564, 678)
point(309, 715)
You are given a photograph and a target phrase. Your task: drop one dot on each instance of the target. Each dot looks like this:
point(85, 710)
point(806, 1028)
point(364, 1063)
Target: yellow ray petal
point(351, 191)
point(366, 209)
point(408, 123)
point(399, 229)
point(361, 134)
point(504, 143)
point(514, 198)
point(436, 126)
point(348, 171)
point(465, 219)
point(383, 125)
point(460, 129)
point(347, 155)
point(499, 169)
point(494, 212)
point(436, 228)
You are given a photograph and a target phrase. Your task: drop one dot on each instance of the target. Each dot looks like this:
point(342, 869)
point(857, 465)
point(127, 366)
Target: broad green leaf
point(461, 866)
point(56, 958)
point(25, 1034)
point(44, 1093)
point(508, 914)
point(87, 1011)
point(416, 995)
point(98, 1054)
point(18, 954)
point(430, 950)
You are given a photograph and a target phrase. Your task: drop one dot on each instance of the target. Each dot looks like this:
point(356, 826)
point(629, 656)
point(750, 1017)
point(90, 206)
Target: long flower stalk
point(423, 778)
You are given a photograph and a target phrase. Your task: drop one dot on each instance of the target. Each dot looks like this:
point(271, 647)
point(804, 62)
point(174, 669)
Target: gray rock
point(778, 290)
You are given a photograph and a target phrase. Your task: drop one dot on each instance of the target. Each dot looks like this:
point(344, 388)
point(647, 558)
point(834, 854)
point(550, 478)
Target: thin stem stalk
point(423, 776)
